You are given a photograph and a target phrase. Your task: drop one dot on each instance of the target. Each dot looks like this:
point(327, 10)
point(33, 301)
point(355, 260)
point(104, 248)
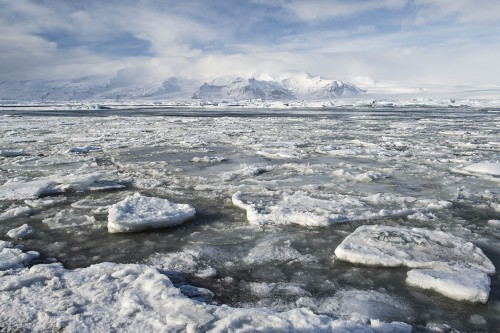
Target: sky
point(394, 42)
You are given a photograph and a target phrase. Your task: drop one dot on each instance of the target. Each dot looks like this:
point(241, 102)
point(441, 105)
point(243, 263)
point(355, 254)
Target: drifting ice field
point(192, 220)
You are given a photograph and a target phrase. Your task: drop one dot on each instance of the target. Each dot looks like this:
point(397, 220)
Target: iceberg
point(137, 212)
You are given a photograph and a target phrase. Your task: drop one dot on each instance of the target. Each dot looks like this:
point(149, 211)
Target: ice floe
point(21, 232)
point(272, 208)
point(488, 168)
point(84, 149)
point(12, 257)
point(439, 261)
point(22, 188)
point(138, 212)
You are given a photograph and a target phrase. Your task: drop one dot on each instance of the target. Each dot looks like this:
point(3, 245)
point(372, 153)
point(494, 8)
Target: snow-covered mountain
point(296, 87)
point(95, 88)
point(239, 88)
point(308, 87)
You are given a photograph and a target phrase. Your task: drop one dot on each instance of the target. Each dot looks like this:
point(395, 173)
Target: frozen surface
point(453, 267)
point(21, 232)
point(276, 189)
point(138, 212)
point(11, 257)
point(460, 284)
point(137, 298)
point(485, 167)
point(264, 208)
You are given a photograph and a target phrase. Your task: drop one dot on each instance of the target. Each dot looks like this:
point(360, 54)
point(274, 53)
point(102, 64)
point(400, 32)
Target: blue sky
point(399, 42)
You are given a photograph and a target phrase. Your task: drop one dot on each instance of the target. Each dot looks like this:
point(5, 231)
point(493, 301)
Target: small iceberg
point(441, 262)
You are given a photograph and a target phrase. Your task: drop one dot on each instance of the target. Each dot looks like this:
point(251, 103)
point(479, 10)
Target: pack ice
point(110, 297)
point(441, 262)
point(137, 212)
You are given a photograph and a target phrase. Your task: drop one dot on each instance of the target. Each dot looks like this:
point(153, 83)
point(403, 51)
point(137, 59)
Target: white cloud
point(323, 9)
point(463, 11)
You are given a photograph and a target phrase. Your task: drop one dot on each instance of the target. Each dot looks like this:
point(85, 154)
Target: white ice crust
point(137, 212)
point(138, 298)
point(21, 232)
point(440, 261)
point(308, 211)
point(488, 168)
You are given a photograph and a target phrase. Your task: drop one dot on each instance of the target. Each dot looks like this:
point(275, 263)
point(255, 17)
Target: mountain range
point(92, 88)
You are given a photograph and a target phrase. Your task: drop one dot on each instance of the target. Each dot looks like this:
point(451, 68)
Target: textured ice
point(265, 207)
point(138, 212)
point(460, 284)
point(15, 212)
point(21, 232)
point(360, 305)
point(445, 263)
point(21, 188)
point(138, 298)
point(485, 168)
point(84, 149)
point(275, 250)
point(69, 218)
point(11, 257)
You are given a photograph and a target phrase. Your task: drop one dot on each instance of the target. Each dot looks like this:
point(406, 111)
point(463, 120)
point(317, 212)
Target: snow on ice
point(138, 212)
point(21, 232)
point(136, 298)
point(484, 168)
point(271, 208)
point(439, 261)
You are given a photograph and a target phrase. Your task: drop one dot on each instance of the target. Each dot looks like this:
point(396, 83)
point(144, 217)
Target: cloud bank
point(401, 42)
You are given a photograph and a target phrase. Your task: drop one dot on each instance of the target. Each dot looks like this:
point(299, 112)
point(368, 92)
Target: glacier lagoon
point(276, 192)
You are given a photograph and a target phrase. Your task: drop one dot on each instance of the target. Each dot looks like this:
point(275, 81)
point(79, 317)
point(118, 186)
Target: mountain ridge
point(299, 87)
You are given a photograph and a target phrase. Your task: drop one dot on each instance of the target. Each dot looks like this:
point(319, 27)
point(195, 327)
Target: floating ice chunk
point(463, 285)
point(278, 250)
point(84, 150)
point(494, 223)
point(279, 153)
point(45, 202)
point(137, 212)
point(188, 261)
point(416, 248)
point(11, 257)
point(19, 189)
point(360, 305)
point(264, 208)
point(15, 212)
point(450, 260)
point(69, 218)
point(485, 168)
point(208, 159)
point(21, 232)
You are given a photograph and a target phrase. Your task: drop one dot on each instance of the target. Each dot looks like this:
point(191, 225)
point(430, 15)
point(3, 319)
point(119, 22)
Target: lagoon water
point(275, 193)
